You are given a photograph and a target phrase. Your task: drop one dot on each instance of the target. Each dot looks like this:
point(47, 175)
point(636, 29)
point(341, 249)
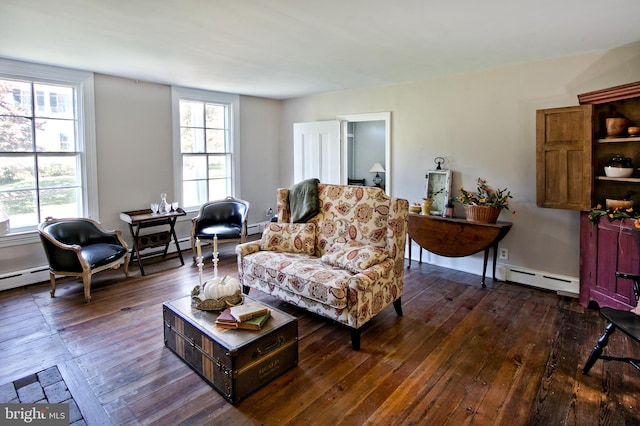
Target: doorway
point(321, 149)
point(367, 141)
point(365, 149)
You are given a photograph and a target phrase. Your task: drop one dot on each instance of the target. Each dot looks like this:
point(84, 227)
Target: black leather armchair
point(80, 247)
point(225, 218)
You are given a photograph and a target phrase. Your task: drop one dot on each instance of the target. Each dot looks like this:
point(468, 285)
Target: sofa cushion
point(354, 256)
point(289, 237)
point(300, 274)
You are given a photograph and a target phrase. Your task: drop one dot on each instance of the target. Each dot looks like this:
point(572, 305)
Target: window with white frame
point(205, 146)
point(47, 144)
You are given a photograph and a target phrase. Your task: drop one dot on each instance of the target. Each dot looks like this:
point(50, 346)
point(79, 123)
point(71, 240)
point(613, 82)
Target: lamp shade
point(377, 168)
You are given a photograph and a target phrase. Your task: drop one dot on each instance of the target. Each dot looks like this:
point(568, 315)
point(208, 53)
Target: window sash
point(76, 147)
point(205, 146)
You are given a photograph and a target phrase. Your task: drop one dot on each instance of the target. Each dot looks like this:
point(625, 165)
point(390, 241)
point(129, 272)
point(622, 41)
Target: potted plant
point(485, 204)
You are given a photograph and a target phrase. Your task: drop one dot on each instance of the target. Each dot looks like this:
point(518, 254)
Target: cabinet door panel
point(605, 249)
point(564, 171)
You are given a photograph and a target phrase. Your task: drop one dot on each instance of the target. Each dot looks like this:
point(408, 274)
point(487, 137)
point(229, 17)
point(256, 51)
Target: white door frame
point(374, 116)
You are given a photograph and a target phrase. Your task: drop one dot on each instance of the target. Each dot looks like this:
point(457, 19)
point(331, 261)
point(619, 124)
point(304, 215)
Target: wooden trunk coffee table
point(234, 362)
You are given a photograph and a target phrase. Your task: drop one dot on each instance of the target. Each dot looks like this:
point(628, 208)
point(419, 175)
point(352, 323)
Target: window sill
point(19, 238)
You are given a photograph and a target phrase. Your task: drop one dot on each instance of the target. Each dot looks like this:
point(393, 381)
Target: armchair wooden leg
point(193, 249)
point(86, 281)
point(127, 257)
point(52, 278)
point(596, 352)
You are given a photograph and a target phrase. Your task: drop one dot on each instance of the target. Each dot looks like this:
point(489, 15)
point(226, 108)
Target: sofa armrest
point(363, 280)
point(245, 249)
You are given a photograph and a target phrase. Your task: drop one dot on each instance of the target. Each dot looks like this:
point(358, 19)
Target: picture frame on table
point(438, 188)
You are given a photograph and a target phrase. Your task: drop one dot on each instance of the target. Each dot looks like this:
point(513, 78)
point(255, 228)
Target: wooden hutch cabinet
point(571, 152)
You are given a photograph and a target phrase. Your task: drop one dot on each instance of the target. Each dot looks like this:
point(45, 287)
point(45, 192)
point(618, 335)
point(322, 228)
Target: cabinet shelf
point(615, 179)
point(619, 140)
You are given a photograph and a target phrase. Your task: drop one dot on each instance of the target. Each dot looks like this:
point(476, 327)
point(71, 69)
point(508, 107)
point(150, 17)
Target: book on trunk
point(226, 320)
point(248, 310)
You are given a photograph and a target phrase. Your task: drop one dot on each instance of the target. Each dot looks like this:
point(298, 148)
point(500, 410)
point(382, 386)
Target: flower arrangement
point(614, 214)
point(485, 196)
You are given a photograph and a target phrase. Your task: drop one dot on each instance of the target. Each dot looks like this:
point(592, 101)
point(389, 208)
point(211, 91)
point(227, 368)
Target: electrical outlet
point(269, 212)
point(504, 254)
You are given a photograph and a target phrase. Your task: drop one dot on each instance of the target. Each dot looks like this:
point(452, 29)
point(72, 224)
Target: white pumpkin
point(219, 287)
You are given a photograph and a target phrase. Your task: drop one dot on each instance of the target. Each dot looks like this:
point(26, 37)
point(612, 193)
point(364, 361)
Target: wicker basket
point(484, 214)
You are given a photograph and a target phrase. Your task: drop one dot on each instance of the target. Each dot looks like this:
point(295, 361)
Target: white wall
point(483, 124)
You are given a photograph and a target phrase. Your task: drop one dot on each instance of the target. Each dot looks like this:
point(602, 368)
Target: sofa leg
point(397, 304)
point(245, 289)
point(355, 339)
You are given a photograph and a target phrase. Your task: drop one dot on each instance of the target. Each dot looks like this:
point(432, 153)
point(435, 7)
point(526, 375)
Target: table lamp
point(377, 169)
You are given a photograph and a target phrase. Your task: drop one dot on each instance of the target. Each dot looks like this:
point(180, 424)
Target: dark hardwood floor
point(461, 354)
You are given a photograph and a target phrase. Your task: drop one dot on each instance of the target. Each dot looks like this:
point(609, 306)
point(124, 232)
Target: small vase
point(427, 203)
point(615, 126)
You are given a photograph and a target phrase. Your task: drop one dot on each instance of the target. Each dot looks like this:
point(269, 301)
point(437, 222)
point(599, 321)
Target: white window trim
point(178, 93)
point(86, 122)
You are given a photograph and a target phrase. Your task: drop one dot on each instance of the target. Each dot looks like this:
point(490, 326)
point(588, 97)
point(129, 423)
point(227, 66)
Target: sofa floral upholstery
point(346, 263)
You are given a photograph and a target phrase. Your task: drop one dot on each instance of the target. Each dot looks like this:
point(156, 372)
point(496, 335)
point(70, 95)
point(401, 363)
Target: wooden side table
point(140, 219)
point(452, 237)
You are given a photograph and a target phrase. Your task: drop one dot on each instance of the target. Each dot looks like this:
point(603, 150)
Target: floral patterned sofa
point(346, 263)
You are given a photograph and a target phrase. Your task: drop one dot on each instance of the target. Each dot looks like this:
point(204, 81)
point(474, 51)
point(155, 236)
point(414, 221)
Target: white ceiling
point(289, 48)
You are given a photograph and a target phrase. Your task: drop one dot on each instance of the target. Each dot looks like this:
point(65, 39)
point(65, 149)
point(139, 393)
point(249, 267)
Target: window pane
point(54, 101)
point(15, 134)
point(15, 98)
point(205, 145)
point(62, 202)
point(17, 172)
point(191, 114)
point(56, 172)
point(20, 206)
point(216, 116)
point(41, 159)
point(55, 135)
point(194, 167)
point(194, 193)
point(219, 188)
point(218, 166)
point(191, 140)
point(215, 141)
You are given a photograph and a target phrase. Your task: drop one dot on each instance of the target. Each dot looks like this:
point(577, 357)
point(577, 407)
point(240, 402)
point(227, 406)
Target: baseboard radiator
point(24, 277)
point(256, 228)
point(562, 284)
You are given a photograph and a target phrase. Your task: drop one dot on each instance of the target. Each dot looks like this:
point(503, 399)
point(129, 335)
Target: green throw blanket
point(303, 200)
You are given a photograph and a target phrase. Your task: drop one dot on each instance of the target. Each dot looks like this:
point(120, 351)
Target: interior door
point(317, 151)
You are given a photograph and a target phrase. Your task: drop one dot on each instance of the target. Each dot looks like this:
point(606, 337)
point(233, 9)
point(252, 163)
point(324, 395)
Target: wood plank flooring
point(461, 354)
